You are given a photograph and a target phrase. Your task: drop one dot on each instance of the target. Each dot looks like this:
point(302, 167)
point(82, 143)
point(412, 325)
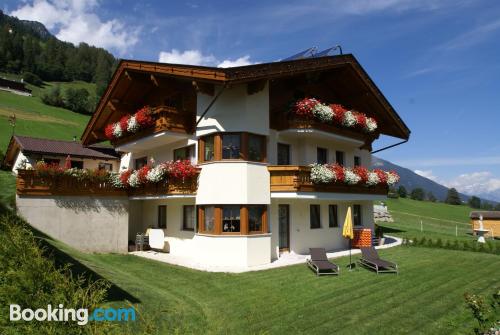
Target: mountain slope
point(411, 180)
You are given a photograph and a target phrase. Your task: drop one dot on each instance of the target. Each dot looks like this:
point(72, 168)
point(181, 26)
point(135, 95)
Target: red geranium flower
point(339, 172)
point(124, 177)
point(303, 108)
point(338, 112)
point(362, 172)
point(182, 169)
point(361, 119)
point(142, 173)
point(144, 118)
point(124, 123)
point(108, 131)
point(382, 176)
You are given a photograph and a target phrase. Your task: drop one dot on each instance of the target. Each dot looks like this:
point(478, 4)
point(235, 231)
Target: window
point(255, 216)
point(255, 147)
point(231, 146)
point(208, 145)
point(315, 214)
point(231, 219)
point(339, 157)
point(188, 217)
point(357, 161)
point(184, 153)
point(356, 216)
point(333, 218)
point(77, 164)
point(140, 162)
point(283, 154)
point(209, 219)
point(51, 161)
point(322, 156)
point(105, 166)
point(162, 216)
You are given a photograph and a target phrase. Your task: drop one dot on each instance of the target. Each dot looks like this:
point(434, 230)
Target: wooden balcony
point(29, 183)
point(283, 121)
point(294, 178)
point(166, 119)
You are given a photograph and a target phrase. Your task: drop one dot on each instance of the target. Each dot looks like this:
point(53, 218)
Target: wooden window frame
point(311, 216)
point(335, 222)
point(189, 148)
point(244, 136)
point(184, 218)
point(140, 158)
point(359, 216)
point(244, 224)
point(101, 165)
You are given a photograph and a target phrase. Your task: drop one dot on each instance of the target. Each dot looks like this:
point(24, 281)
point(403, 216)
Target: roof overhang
point(127, 69)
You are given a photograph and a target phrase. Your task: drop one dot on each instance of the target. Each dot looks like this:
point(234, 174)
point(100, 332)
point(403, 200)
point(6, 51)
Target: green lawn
point(426, 297)
point(7, 187)
point(439, 220)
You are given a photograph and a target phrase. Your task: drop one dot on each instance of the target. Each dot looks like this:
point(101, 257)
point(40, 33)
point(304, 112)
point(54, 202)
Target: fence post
point(421, 226)
point(456, 230)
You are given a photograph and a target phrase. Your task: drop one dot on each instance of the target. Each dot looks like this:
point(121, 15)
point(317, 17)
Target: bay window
point(232, 219)
point(232, 146)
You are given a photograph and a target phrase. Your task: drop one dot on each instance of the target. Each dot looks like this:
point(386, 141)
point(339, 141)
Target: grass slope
point(439, 220)
point(426, 297)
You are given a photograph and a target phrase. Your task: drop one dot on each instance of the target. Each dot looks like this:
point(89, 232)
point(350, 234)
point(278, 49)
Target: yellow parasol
point(347, 232)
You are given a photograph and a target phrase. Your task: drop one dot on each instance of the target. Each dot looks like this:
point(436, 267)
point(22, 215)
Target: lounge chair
point(320, 264)
point(370, 259)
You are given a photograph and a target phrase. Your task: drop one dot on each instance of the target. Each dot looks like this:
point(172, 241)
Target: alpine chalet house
point(228, 167)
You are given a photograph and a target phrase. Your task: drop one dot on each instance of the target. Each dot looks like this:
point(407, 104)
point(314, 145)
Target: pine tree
point(417, 194)
point(475, 202)
point(402, 191)
point(453, 198)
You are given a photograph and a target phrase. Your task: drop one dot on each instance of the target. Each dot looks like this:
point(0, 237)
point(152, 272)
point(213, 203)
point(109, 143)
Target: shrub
point(30, 279)
point(439, 243)
point(484, 311)
point(32, 79)
point(54, 97)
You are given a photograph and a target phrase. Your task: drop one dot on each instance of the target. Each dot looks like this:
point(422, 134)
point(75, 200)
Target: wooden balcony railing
point(284, 121)
point(166, 119)
point(29, 183)
point(294, 178)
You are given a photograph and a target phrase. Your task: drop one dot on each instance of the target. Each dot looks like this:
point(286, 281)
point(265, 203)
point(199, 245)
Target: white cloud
point(476, 183)
point(196, 57)
point(191, 57)
point(474, 36)
point(245, 60)
point(427, 174)
point(75, 21)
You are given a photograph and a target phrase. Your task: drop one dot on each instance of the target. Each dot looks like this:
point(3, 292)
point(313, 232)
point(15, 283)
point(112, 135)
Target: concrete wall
point(89, 224)
point(302, 237)
point(233, 183)
point(235, 110)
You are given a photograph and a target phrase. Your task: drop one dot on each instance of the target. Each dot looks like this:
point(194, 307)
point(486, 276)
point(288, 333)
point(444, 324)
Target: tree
point(474, 202)
point(77, 100)
point(393, 194)
point(497, 207)
point(486, 206)
point(452, 197)
point(431, 197)
point(417, 194)
point(402, 191)
point(54, 97)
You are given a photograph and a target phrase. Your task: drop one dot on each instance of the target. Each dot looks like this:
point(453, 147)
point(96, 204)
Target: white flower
point(351, 178)
point(371, 124)
point(114, 179)
point(321, 174)
point(392, 178)
point(323, 112)
point(349, 119)
point(373, 179)
point(132, 125)
point(156, 174)
point(133, 180)
point(117, 130)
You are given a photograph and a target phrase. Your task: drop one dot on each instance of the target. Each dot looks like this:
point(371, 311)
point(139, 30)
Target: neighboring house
point(25, 152)
point(255, 197)
point(491, 222)
point(13, 86)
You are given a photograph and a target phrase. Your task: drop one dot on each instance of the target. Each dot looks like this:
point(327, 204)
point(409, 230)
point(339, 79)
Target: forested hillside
point(27, 48)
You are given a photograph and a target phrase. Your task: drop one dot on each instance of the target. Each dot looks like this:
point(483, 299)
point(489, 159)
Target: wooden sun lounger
point(320, 264)
point(370, 259)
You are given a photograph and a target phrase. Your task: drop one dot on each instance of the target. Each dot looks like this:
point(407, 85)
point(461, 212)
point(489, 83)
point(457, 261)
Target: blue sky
point(436, 61)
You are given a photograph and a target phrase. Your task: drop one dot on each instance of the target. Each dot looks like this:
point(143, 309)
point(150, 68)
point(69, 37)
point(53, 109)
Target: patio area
point(285, 259)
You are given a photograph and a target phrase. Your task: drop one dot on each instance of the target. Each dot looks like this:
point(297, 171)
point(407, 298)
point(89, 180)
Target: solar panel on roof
point(303, 54)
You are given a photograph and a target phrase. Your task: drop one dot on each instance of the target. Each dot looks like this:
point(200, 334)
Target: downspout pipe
point(390, 146)
point(211, 104)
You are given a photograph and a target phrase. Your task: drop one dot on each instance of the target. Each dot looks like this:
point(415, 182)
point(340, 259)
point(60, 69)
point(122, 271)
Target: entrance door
point(284, 227)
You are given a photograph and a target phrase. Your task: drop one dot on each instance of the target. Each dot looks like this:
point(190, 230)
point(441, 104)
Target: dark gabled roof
point(487, 215)
point(57, 148)
point(245, 74)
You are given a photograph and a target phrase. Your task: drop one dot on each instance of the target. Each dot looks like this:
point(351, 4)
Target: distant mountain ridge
point(411, 180)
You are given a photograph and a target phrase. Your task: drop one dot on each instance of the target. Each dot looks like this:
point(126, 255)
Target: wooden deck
point(294, 178)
